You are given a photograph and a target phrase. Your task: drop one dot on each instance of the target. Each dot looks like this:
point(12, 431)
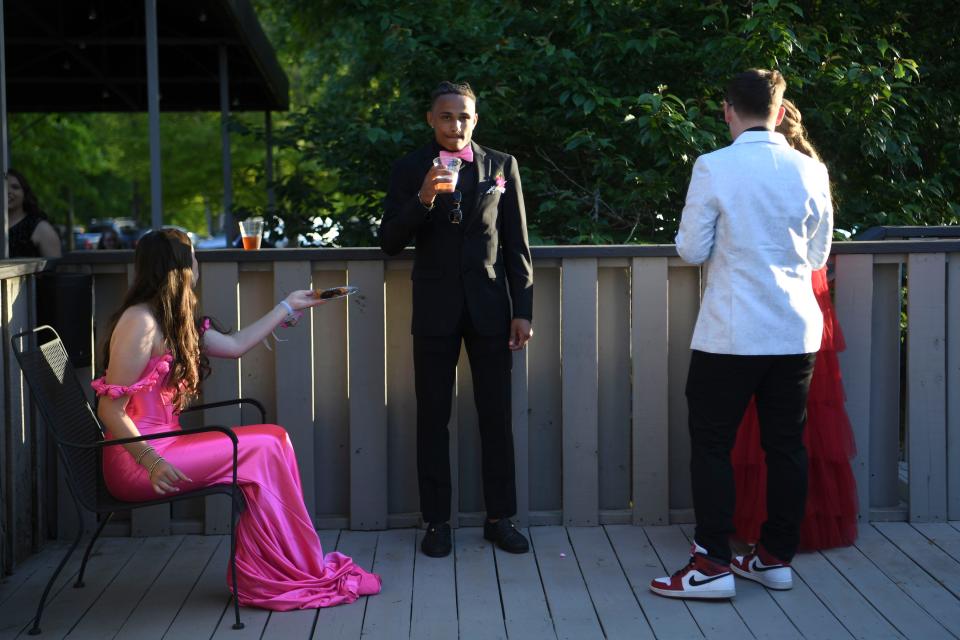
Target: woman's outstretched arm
point(236, 344)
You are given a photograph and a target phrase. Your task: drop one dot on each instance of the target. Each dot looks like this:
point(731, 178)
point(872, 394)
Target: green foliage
point(101, 162)
point(607, 104)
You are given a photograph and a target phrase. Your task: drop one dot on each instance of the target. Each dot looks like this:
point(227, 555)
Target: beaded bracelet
point(293, 317)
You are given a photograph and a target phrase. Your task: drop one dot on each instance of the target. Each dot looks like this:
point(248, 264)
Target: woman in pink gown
point(156, 352)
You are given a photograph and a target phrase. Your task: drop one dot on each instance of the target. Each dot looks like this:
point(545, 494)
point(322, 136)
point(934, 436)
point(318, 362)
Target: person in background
point(109, 239)
point(29, 233)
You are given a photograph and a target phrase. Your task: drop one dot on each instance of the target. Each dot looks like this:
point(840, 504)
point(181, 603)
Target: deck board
point(207, 601)
point(911, 578)
point(640, 563)
point(346, 621)
point(171, 589)
point(388, 613)
point(525, 610)
point(585, 582)
point(434, 613)
point(121, 597)
point(573, 614)
point(478, 594)
point(902, 612)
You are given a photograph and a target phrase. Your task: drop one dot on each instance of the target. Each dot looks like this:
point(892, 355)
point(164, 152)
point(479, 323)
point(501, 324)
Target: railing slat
point(649, 333)
point(368, 397)
point(953, 384)
point(17, 466)
point(544, 421)
point(219, 298)
point(402, 399)
point(854, 300)
point(884, 387)
point(926, 387)
point(578, 318)
point(683, 305)
point(331, 411)
point(614, 391)
point(293, 379)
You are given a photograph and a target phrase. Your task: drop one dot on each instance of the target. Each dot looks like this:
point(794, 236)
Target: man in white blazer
point(758, 216)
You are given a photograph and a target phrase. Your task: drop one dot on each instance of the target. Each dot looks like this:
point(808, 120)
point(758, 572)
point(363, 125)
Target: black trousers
point(719, 388)
point(435, 365)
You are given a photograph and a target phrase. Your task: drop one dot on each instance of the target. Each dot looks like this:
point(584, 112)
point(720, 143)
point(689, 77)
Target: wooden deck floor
point(900, 580)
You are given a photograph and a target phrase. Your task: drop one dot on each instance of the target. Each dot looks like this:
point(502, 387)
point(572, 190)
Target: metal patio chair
point(78, 437)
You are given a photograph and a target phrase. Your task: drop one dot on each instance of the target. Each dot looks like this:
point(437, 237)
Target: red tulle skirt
point(831, 513)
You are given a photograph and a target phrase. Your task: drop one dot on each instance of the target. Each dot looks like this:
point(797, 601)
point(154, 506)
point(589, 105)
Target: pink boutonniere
point(500, 184)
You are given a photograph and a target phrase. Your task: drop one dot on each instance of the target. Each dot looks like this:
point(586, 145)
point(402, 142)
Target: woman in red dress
point(831, 512)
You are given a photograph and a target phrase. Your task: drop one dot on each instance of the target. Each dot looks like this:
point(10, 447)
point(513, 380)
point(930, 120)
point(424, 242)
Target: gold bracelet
point(154, 466)
point(144, 452)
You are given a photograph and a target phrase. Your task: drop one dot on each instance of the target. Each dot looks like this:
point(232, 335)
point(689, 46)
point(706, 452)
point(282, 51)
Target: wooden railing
point(599, 413)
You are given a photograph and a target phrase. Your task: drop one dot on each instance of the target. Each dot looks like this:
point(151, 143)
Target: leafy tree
point(607, 104)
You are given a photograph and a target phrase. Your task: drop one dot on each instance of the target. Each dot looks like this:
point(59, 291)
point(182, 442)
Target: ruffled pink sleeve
point(156, 369)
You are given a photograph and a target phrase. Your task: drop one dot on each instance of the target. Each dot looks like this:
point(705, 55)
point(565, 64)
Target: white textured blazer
point(758, 214)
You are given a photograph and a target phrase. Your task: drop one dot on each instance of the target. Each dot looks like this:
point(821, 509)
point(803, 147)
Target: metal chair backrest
point(71, 421)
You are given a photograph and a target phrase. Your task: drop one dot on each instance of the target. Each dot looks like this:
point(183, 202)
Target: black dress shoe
point(505, 535)
point(436, 542)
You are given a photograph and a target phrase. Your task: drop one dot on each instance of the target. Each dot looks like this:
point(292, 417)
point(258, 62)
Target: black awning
point(90, 55)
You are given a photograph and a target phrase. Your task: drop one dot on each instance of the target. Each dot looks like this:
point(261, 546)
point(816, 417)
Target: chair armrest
point(228, 403)
point(153, 436)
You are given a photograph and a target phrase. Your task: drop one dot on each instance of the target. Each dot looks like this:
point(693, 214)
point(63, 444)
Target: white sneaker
point(702, 578)
point(764, 568)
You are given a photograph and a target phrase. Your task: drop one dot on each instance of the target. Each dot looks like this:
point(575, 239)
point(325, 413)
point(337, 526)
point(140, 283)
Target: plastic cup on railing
point(251, 231)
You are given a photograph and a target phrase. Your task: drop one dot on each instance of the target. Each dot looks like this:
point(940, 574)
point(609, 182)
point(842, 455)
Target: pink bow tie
point(465, 154)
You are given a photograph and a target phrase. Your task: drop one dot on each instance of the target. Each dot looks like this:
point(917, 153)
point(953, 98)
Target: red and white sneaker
point(764, 568)
point(702, 578)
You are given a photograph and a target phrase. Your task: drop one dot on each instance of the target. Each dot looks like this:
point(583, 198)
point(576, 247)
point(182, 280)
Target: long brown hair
point(793, 130)
point(30, 204)
point(163, 281)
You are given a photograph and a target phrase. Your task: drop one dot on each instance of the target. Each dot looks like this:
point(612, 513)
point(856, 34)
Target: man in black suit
point(472, 282)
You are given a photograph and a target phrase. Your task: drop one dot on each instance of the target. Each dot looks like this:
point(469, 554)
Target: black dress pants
point(719, 388)
point(435, 363)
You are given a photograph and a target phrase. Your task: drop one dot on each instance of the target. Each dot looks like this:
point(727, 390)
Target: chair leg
point(35, 629)
point(86, 556)
point(234, 516)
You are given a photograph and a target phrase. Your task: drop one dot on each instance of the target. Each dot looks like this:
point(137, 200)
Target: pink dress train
point(280, 563)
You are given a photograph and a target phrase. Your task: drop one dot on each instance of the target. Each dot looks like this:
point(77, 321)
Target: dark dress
point(18, 238)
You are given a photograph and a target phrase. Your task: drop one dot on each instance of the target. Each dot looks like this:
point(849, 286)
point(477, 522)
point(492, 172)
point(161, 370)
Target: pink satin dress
point(280, 563)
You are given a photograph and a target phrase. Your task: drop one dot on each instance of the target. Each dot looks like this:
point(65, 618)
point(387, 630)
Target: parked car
point(85, 241)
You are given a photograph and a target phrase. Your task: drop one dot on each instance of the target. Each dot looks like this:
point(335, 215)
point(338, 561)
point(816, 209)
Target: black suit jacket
point(484, 262)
